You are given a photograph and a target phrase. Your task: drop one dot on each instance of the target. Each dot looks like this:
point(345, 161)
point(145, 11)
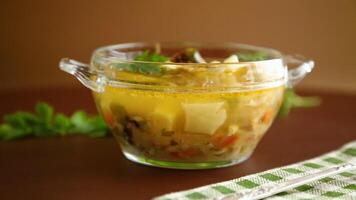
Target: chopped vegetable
point(152, 57)
point(233, 67)
point(232, 59)
point(44, 122)
point(268, 116)
point(109, 118)
point(229, 140)
point(164, 117)
point(257, 56)
point(204, 118)
point(187, 56)
point(198, 58)
point(221, 141)
point(145, 68)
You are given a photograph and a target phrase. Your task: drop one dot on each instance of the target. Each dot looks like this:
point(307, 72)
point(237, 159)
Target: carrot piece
point(109, 118)
point(217, 139)
point(267, 117)
point(230, 140)
point(221, 141)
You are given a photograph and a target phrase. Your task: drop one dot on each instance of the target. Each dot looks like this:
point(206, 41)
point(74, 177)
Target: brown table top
point(84, 168)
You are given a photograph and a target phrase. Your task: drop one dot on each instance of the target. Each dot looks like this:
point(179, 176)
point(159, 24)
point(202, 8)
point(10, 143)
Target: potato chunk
point(204, 118)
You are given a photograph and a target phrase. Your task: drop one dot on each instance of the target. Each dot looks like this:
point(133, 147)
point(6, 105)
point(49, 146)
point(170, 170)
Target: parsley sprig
point(293, 100)
point(145, 68)
point(150, 56)
point(44, 122)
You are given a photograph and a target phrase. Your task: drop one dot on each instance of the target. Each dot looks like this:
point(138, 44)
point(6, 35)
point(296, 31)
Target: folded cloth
point(340, 186)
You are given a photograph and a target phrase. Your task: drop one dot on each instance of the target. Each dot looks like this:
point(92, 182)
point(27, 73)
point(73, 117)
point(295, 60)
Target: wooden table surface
point(84, 168)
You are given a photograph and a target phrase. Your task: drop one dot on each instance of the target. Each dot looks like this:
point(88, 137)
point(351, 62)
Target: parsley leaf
point(292, 100)
point(44, 122)
point(145, 68)
point(153, 57)
point(7, 132)
point(256, 56)
point(91, 126)
point(61, 124)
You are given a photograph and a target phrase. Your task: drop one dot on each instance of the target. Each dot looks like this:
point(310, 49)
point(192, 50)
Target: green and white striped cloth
point(341, 186)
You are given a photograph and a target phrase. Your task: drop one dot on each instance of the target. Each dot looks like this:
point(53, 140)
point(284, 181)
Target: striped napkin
point(341, 186)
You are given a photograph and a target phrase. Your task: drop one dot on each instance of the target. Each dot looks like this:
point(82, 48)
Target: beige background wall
point(34, 35)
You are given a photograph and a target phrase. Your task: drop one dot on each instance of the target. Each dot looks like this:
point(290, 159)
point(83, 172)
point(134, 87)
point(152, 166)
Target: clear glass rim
point(115, 53)
point(111, 53)
point(99, 73)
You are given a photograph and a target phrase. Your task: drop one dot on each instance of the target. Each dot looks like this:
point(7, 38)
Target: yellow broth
point(189, 127)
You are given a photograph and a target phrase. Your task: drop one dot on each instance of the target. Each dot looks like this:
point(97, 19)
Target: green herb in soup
point(248, 57)
point(144, 68)
point(150, 56)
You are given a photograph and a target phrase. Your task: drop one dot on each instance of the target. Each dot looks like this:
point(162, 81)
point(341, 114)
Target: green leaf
point(91, 126)
point(7, 132)
point(256, 56)
point(81, 122)
point(292, 100)
point(45, 123)
point(143, 56)
point(144, 68)
point(151, 57)
point(21, 120)
point(61, 124)
point(100, 129)
point(99, 123)
point(44, 112)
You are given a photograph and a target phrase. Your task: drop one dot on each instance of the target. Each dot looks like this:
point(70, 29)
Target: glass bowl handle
point(301, 67)
point(88, 77)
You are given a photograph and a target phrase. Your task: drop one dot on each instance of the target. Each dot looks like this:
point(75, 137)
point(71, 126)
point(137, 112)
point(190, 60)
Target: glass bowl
point(188, 115)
